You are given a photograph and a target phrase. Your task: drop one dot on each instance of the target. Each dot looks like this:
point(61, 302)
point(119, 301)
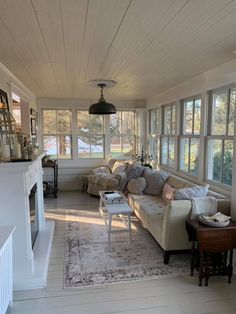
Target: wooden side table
point(212, 249)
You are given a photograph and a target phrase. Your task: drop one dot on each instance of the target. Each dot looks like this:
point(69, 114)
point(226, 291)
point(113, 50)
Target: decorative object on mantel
point(144, 159)
point(9, 145)
point(89, 260)
point(102, 107)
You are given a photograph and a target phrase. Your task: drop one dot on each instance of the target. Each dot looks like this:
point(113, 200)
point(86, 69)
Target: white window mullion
point(202, 137)
point(177, 135)
point(107, 141)
point(74, 139)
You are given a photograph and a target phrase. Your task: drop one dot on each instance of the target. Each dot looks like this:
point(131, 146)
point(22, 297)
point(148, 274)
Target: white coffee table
point(108, 210)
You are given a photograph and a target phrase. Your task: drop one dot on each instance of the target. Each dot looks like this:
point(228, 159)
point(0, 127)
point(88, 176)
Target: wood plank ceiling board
point(15, 52)
point(102, 22)
point(164, 48)
point(55, 46)
point(140, 28)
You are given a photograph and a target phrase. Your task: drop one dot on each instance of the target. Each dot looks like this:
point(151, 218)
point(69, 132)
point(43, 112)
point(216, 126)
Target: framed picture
point(3, 100)
point(33, 126)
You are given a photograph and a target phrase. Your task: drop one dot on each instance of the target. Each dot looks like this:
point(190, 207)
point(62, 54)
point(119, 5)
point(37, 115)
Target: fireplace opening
point(33, 214)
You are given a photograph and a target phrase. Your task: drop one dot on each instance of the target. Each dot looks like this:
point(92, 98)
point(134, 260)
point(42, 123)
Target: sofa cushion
point(168, 193)
point(119, 166)
point(189, 193)
point(134, 171)
point(178, 183)
point(147, 207)
point(136, 186)
point(155, 181)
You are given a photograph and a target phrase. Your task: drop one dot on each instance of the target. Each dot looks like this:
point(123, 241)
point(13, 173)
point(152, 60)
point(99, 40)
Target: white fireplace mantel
point(16, 181)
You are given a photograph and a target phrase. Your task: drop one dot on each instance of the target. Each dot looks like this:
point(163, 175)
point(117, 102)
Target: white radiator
point(5, 268)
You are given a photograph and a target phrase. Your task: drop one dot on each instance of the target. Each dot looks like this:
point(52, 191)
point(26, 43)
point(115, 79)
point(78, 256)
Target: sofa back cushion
point(178, 183)
point(134, 171)
point(112, 161)
point(155, 181)
point(119, 166)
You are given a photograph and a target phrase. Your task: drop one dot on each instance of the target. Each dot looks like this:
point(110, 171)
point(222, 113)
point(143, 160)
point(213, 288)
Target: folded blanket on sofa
point(203, 205)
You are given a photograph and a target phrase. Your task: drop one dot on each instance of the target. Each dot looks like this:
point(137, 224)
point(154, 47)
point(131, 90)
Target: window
point(57, 133)
point(122, 131)
point(90, 135)
point(168, 136)
point(154, 133)
point(190, 133)
point(220, 136)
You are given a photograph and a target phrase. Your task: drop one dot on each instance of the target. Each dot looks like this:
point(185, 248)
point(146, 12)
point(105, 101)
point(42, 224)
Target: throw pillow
point(168, 193)
point(101, 170)
point(134, 171)
point(136, 186)
point(189, 193)
point(118, 167)
point(155, 181)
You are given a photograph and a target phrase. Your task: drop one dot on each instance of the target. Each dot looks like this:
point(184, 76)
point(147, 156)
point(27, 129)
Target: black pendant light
point(102, 107)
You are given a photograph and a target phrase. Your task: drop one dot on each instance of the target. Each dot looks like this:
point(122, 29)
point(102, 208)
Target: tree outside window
point(168, 136)
point(154, 133)
point(90, 135)
point(57, 133)
point(122, 133)
point(190, 132)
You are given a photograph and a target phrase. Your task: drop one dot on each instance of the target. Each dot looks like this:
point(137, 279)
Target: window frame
point(56, 135)
point(169, 135)
point(222, 138)
point(189, 136)
point(121, 135)
point(154, 137)
point(91, 134)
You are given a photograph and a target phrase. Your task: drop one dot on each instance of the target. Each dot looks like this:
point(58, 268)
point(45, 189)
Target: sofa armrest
point(174, 235)
point(121, 177)
point(101, 169)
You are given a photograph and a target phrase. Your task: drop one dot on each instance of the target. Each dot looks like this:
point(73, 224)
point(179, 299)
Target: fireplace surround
point(16, 182)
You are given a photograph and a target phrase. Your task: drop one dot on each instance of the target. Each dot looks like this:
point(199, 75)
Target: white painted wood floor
point(178, 295)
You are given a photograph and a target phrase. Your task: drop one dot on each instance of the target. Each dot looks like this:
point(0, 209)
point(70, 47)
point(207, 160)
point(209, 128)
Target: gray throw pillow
point(189, 193)
point(155, 181)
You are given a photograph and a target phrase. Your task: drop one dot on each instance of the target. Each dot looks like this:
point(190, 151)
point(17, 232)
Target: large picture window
point(190, 133)
point(57, 132)
point(90, 135)
point(220, 136)
point(122, 133)
point(154, 133)
point(168, 136)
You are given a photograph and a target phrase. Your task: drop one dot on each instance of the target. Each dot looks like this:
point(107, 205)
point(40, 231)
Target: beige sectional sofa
point(166, 220)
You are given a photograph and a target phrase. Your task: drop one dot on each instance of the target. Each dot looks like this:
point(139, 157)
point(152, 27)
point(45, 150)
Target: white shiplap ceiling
point(55, 46)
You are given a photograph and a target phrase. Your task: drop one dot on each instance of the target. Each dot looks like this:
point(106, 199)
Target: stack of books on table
point(113, 197)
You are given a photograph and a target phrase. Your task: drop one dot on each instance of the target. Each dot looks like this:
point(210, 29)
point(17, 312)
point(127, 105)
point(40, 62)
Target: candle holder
point(143, 159)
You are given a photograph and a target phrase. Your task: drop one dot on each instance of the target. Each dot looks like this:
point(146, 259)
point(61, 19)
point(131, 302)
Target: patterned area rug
point(89, 260)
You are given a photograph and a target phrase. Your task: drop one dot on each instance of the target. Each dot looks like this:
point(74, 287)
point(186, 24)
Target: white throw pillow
point(118, 167)
point(136, 186)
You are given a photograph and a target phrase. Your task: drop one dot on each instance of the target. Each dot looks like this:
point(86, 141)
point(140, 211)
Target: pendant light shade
point(102, 107)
